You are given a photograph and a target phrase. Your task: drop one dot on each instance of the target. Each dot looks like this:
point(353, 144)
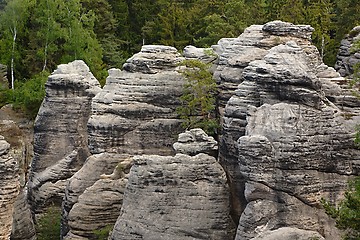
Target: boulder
point(348, 56)
point(9, 188)
point(60, 132)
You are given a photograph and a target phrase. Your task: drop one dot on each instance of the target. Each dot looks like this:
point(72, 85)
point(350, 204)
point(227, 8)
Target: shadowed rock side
point(9, 188)
point(294, 146)
point(18, 132)
point(60, 132)
point(234, 55)
point(347, 56)
point(94, 195)
point(135, 111)
point(180, 197)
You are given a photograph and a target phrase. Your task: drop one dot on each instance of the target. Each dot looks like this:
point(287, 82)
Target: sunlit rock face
point(177, 197)
point(9, 188)
point(234, 55)
point(294, 142)
point(348, 55)
point(60, 132)
point(135, 112)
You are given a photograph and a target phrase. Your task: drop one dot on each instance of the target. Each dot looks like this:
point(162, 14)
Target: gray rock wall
point(234, 56)
point(9, 188)
point(348, 56)
point(294, 145)
point(180, 197)
point(138, 105)
point(60, 138)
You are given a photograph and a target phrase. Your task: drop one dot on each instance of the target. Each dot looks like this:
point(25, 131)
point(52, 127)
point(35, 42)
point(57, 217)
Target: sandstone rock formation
point(180, 197)
point(292, 142)
point(60, 141)
point(18, 133)
point(348, 56)
point(9, 188)
point(138, 103)
point(94, 196)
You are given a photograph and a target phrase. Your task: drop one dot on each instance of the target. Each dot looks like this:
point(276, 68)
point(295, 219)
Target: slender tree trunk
point(12, 58)
point(322, 46)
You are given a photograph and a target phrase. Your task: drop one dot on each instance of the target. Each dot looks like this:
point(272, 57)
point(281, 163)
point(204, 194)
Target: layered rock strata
point(94, 195)
point(234, 55)
point(348, 56)
point(60, 138)
point(138, 104)
point(9, 188)
point(180, 197)
point(293, 142)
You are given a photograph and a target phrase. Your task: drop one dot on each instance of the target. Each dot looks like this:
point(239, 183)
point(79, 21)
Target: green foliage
point(48, 225)
point(27, 96)
point(347, 213)
point(198, 99)
point(103, 233)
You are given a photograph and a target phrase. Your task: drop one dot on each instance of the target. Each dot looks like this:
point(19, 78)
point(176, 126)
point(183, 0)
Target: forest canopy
point(37, 35)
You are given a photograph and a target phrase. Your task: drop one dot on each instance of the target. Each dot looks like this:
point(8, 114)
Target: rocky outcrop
point(287, 233)
point(348, 56)
point(9, 188)
point(94, 195)
point(138, 104)
point(17, 131)
point(234, 56)
point(60, 138)
point(180, 197)
point(292, 142)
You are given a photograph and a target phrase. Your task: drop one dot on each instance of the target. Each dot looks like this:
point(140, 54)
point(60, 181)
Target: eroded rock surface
point(293, 142)
point(180, 197)
point(94, 195)
point(9, 188)
point(135, 112)
point(234, 56)
point(348, 56)
point(60, 138)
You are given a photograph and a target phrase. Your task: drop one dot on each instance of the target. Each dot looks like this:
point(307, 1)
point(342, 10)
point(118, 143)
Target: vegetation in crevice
point(48, 224)
point(198, 100)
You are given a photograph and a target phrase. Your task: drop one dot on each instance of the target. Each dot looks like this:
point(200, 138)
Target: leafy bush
point(347, 213)
point(48, 225)
point(198, 99)
point(27, 96)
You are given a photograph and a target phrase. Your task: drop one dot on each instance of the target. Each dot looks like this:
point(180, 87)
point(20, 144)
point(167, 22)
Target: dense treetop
point(36, 35)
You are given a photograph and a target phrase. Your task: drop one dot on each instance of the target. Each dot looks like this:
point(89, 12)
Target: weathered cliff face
point(138, 104)
point(134, 113)
point(17, 131)
point(295, 146)
point(234, 56)
point(9, 188)
point(94, 195)
point(60, 140)
point(348, 56)
point(179, 197)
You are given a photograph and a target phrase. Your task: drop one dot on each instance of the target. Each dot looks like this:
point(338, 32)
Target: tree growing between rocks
point(198, 100)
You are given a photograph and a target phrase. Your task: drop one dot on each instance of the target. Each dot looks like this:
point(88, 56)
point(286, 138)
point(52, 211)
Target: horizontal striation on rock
point(292, 142)
point(93, 195)
point(9, 188)
point(236, 55)
point(60, 132)
point(180, 197)
point(138, 104)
